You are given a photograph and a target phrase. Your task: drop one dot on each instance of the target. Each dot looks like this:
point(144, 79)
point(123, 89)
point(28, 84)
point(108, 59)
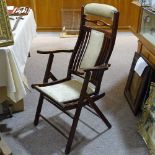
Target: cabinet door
point(48, 14)
point(124, 9)
point(135, 17)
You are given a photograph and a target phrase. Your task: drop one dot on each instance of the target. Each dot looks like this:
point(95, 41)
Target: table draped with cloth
point(13, 58)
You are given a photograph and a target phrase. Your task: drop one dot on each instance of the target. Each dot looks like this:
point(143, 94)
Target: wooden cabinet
point(135, 17)
point(48, 12)
point(137, 86)
point(146, 44)
point(142, 25)
point(146, 49)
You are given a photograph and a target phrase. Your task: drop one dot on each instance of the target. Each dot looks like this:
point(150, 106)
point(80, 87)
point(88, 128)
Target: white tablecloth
point(13, 58)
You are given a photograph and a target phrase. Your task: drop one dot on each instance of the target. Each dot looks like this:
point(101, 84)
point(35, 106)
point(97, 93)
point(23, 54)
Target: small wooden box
point(16, 107)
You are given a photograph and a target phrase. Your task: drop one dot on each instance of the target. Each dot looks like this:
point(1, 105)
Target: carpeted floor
point(122, 139)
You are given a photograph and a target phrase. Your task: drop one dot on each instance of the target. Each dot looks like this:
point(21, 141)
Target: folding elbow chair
point(88, 61)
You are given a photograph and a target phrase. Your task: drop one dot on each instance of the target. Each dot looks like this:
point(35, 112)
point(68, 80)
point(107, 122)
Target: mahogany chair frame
point(93, 75)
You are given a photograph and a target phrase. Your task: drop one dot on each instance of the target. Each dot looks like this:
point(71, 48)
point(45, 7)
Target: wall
point(48, 12)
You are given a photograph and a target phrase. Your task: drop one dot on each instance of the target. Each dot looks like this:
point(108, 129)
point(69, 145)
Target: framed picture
point(137, 87)
point(6, 37)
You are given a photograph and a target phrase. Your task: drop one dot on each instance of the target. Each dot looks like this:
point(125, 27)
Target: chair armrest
point(49, 83)
point(56, 51)
point(82, 71)
point(101, 67)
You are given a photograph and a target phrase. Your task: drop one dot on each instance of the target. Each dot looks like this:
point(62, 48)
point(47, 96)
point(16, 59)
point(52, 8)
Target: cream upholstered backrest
point(93, 49)
point(103, 10)
point(96, 38)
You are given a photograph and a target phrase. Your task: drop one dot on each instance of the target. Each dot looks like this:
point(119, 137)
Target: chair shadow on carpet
point(44, 139)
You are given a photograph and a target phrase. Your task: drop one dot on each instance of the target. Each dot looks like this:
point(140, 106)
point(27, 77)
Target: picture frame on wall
point(6, 37)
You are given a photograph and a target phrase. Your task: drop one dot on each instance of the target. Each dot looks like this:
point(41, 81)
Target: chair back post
point(80, 36)
point(111, 46)
point(114, 33)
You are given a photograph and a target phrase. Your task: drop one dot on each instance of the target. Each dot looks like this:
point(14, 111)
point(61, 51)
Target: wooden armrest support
point(80, 71)
point(52, 52)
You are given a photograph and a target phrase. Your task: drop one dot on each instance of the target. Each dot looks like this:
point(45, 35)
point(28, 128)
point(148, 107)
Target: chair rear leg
point(73, 129)
point(39, 107)
point(98, 111)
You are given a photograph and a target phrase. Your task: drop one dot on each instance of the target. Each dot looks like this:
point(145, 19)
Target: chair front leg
point(73, 129)
point(39, 107)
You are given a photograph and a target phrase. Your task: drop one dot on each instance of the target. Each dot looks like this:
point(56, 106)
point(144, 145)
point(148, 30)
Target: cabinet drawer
point(147, 53)
point(151, 58)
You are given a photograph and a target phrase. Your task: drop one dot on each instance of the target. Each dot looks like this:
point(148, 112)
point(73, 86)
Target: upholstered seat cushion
point(65, 91)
